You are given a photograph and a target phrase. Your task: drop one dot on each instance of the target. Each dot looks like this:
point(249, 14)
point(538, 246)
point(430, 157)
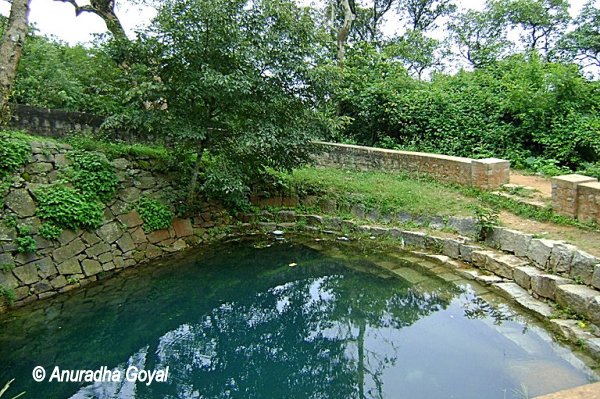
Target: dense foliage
point(520, 108)
point(242, 86)
point(155, 214)
point(14, 153)
point(93, 175)
point(67, 208)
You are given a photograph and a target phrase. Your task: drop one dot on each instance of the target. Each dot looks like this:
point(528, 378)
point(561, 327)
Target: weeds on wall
point(93, 175)
point(67, 208)
point(155, 214)
point(14, 153)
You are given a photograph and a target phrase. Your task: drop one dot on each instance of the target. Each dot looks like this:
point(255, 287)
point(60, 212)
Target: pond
point(254, 319)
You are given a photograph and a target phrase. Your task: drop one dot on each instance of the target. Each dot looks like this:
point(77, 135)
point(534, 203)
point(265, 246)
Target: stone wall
point(486, 174)
point(52, 123)
point(577, 196)
point(79, 257)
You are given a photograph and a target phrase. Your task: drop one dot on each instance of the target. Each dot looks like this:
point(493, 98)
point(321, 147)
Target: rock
point(314, 220)
point(466, 252)
point(91, 267)
point(67, 236)
point(8, 280)
point(158, 236)
point(594, 310)
point(46, 267)
point(358, 211)
point(545, 285)
point(6, 260)
point(523, 274)
point(69, 251)
point(480, 258)
point(561, 258)
point(125, 243)
point(42, 286)
point(183, 228)
point(105, 258)
point(510, 240)
point(286, 216)
point(110, 232)
point(42, 243)
point(58, 282)
point(20, 202)
point(414, 239)
point(109, 266)
point(119, 207)
point(464, 226)
point(596, 276)
point(539, 251)
point(131, 219)
point(121, 164)
point(582, 267)
point(98, 249)
point(523, 298)
point(179, 245)
point(130, 195)
point(145, 183)
point(61, 161)
point(90, 238)
point(139, 236)
point(7, 233)
point(328, 206)
point(70, 266)
point(575, 297)
point(38, 168)
point(503, 265)
point(152, 251)
point(373, 215)
point(451, 248)
point(27, 274)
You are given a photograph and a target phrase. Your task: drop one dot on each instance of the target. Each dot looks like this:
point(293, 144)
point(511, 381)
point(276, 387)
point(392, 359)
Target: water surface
point(237, 321)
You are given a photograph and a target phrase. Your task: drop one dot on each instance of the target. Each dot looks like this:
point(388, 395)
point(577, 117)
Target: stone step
point(498, 263)
point(522, 297)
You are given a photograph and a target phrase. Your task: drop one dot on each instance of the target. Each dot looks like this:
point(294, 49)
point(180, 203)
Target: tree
point(422, 14)
point(542, 21)
point(344, 30)
point(105, 9)
point(417, 52)
point(480, 36)
point(368, 20)
point(11, 48)
point(583, 43)
point(230, 79)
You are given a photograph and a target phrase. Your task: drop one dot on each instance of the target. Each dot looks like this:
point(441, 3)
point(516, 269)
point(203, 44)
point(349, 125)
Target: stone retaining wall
point(577, 196)
point(52, 122)
point(486, 174)
point(79, 257)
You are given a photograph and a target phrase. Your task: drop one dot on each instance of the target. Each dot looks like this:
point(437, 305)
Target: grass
point(389, 192)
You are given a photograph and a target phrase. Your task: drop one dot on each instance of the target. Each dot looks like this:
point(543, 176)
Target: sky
point(58, 19)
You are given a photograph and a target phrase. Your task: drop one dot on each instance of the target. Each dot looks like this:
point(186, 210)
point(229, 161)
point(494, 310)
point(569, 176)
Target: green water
point(237, 321)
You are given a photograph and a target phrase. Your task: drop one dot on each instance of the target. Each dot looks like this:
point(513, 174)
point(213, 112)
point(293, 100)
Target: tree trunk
point(195, 173)
point(344, 32)
point(105, 9)
point(11, 47)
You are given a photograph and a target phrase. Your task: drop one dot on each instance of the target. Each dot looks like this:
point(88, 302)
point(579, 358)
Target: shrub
point(14, 152)
point(155, 214)
point(93, 175)
point(7, 294)
point(50, 231)
point(66, 208)
point(26, 244)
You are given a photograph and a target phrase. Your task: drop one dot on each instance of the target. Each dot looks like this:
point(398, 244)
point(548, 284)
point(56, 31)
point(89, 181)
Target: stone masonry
point(486, 174)
point(576, 196)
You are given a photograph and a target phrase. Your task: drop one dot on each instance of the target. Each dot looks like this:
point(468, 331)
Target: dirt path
point(587, 240)
point(539, 183)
